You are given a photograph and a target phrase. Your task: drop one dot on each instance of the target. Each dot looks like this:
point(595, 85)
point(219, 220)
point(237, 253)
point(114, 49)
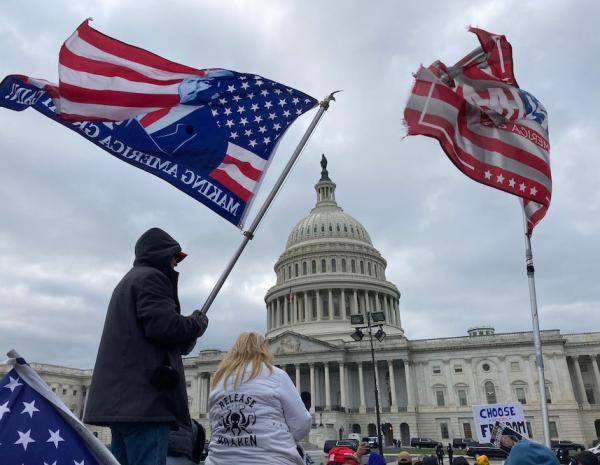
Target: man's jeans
point(140, 443)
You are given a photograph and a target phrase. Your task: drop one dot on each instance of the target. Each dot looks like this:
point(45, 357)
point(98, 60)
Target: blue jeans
point(140, 443)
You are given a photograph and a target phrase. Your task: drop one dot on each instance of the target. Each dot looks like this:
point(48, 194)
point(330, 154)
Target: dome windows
point(304, 268)
point(323, 266)
point(314, 267)
point(362, 267)
point(353, 266)
point(343, 265)
point(333, 265)
point(369, 268)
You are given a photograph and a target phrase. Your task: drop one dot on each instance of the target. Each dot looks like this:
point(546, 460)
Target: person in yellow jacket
point(482, 460)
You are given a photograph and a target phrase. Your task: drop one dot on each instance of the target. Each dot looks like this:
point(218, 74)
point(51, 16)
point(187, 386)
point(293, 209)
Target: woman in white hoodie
point(255, 412)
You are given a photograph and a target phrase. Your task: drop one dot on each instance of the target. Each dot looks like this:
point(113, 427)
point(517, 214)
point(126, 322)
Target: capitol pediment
point(290, 342)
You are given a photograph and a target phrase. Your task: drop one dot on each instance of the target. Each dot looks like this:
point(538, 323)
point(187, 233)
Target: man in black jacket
point(138, 386)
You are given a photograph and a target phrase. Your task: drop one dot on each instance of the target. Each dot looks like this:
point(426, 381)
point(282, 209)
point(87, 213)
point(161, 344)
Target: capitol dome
point(329, 271)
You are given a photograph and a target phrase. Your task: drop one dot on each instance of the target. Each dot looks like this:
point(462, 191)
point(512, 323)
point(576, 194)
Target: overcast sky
point(71, 213)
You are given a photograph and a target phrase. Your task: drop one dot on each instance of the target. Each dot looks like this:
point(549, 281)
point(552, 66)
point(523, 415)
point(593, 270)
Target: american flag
point(220, 123)
point(493, 131)
point(36, 428)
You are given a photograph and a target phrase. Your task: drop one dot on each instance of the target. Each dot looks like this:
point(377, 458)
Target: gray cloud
point(71, 214)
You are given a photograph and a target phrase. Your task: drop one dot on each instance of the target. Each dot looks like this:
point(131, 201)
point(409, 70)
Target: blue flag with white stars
point(36, 428)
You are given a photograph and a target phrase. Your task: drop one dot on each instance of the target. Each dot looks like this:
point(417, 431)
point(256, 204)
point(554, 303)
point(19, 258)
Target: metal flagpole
point(537, 340)
point(249, 234)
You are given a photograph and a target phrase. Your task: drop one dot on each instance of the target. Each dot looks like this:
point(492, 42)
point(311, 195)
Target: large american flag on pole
point(493, 131)
point(209, 132)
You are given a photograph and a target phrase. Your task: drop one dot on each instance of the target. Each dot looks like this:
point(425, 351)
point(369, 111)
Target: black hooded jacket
point(143, 332)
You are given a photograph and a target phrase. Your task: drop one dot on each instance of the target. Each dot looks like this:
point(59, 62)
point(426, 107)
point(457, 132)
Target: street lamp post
point(357, 335)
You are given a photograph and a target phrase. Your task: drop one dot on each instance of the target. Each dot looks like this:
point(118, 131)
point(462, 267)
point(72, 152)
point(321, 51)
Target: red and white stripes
point(475, 111)
point(104, 79)
point(240, 171)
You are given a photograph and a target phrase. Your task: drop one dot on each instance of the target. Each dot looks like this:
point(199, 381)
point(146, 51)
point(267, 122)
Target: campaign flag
point(211, 133)
point(36, 428)
point(493, 131)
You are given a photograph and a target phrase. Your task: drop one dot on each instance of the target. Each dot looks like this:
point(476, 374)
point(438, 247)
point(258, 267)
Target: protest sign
point(485, 417)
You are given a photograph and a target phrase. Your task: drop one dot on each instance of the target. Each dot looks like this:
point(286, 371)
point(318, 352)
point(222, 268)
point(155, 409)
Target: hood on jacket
point(526, 452)
point(156, 248)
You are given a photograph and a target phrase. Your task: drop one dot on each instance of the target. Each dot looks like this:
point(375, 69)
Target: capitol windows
point(313, 267)
point(296, 270)
point(337, 226)
point(74, 392)
point(439, 397)
point(437, 370)
point(343, 265)
point(485, 367)
point(548, 395)
point(520, 393)
point(514, 366)
point(330, 228)
point(353, 266)
point(375, 270)
point(304, 268)
point(490, 392)
point(462, 397)
point(325, 306)
point(553, 429)
point(336, 305)
point(362, 267)
point(458, 369)
point(369, 268)
point(468, 434)
point(313, 306)
point(64, 391)
point(323, 266)
point(444, 430)
point(345, 228)
point(290, 272)
point(333, 265)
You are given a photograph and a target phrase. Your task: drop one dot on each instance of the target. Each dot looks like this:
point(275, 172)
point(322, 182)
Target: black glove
point(202, 321)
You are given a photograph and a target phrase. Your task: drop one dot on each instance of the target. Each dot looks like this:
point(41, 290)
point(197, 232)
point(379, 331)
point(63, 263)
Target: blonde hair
point(250, 349)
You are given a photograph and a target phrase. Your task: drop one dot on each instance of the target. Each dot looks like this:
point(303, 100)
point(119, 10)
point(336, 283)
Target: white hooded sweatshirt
point(258, 423)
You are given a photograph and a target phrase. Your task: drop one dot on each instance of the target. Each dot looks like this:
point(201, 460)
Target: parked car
point(488, 449)
point(461, 443)
point(423, 442)
point(595, 450)
point(570, 445)
point(351, 443)
point(331, 443)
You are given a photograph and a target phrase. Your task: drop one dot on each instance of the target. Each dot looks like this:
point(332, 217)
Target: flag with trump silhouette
point(492, 130)
point(211, 133)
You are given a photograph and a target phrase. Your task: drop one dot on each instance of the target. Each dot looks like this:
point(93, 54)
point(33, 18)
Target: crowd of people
point(256, 414)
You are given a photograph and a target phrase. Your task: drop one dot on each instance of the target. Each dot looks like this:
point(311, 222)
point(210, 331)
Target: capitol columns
point(394, 406)
point(327, 384)
point(410, 399)
point(307, 313)
point(594, 360)
point(361, 387)
point(278, 312)
point(298, 386)
point(330, 304)
point(343, 401)
point(580, 385)
point(354, 302)
point(312, 387)
point(319, 305)
point(343, 303)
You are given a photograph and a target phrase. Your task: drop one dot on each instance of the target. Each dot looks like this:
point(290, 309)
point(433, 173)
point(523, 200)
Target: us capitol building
point(329, 271)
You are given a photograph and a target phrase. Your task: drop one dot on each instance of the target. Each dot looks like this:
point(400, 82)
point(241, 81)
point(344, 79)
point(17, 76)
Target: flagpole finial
point(331, 97)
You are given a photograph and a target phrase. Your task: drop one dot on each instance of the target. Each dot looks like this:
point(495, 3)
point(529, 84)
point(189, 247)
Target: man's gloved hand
point(202, 320)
